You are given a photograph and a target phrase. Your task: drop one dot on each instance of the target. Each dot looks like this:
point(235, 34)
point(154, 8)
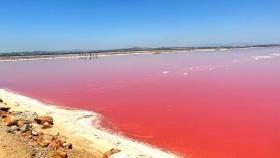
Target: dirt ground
point(15, 146)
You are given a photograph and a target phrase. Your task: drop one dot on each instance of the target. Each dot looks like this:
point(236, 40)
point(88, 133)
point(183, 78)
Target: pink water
point(201, 105)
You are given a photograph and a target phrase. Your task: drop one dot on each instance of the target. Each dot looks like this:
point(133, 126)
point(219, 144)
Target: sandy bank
point(78, 125)
point(96, 55)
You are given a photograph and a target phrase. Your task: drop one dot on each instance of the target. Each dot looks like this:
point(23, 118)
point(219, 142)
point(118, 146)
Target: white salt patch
point(263, 57)
point(275, 54)
point(165, 72)
point(120, 155)
point(186, 73)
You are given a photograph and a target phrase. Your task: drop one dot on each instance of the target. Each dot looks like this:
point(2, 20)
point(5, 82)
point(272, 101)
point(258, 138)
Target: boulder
point(42, 119)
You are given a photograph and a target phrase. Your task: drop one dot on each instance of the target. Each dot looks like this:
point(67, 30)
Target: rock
point(26, 115)
point(55, 144)
point(110, 152)
point(10, 120)
point(25, 128)
point(21, 123)
point(1, 100)
point(34, 133)
point(46, 125)
point(13, 129)
point(42, 119)
point(67, 145)
point(4, 107)
point(4, 114)
point(59, 154)
point(26, 134)
point(43, 142)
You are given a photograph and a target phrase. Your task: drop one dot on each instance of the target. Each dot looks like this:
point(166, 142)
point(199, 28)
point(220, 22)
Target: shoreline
point(85, 135)
point(95, 55)
point(91, 55)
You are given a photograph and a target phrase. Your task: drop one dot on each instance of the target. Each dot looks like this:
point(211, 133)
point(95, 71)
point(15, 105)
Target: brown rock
point(67, 145)
point(26, 134)
point(55, 144)
point(59, 154)
point(46, 125)
point(42, 119)
point(20, 123)
point(43, 142)
point(10, 120)
point(3, 114)
point(110, 152)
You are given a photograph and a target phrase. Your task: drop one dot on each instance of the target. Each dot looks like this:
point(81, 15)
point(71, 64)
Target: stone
point(10, 120)
point(42, 119)
point(25, 128)
point(21, 123)
point(1, 100)
point(46, 125)
point(26, 134)
point(55, 144)
point(59, 154)
point(34, 133)
point(67, 145)
point(3, 114)
point(111, 152)
point(13, 129)
point(4, 108)
point(26, 115)
point(43, 142)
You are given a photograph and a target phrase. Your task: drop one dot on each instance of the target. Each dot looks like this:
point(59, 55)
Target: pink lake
point(223, 104)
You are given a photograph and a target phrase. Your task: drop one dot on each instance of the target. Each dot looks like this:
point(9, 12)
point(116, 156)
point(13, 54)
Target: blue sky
point(27, 25)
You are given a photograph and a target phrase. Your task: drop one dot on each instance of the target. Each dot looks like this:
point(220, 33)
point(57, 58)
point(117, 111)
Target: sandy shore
point(78, 125)
point(96, 55)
